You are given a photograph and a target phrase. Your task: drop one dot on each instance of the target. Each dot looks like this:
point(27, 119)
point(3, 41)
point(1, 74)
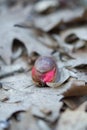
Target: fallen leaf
point(75, 88)
point(46, 6)
point(27, 121)
point(74, 102)
point(26, 36)
point(76, 119)
point(64, 75)
point(58, 31)
point(76, 33)
point(22, 96)
point(54, 20)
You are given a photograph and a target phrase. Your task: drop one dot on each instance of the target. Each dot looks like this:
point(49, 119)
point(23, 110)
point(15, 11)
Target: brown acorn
point(44, 70)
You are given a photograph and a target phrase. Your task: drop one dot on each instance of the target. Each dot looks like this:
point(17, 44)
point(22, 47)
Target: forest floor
point(29, 29)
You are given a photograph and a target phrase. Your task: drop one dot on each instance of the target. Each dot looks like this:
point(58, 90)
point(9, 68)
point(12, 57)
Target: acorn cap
point(44, 64)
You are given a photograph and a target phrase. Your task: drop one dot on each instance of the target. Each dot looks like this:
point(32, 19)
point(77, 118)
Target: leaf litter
point(27, 33)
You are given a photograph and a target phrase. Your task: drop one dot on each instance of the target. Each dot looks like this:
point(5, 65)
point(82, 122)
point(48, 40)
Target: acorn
point(44, 70)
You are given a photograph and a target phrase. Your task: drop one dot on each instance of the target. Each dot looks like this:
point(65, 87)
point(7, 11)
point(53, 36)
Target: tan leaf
point(64, 75)
point(79, 33)
point(26, 36)
point(54, 20)
point(73, 119)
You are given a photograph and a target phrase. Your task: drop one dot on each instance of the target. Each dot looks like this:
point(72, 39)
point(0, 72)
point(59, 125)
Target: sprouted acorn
point(44, 70)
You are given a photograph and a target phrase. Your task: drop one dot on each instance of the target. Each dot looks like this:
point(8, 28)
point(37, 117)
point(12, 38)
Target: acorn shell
point(42, 66)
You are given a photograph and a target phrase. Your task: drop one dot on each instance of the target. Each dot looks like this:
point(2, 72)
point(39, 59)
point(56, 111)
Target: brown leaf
point(75, 88)
point(74, 102)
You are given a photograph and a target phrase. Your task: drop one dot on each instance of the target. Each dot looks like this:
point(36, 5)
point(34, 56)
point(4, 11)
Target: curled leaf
point(74, 102)
point(75, 87)
point(73, 34)
point(63, 77)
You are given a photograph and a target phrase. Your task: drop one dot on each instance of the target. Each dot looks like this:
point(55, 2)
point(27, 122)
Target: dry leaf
point(22, 96)
point(54, 20)
point(75, 88)
point(64, 75)
point(73, 119)
point(27, 121)
point(46, 6)
point(12, 69)
point(74, 102)
point(76, 33)
point(25, 35)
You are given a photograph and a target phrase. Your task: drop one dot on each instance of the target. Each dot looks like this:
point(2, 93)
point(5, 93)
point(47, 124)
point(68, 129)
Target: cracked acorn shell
point(44, 70)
